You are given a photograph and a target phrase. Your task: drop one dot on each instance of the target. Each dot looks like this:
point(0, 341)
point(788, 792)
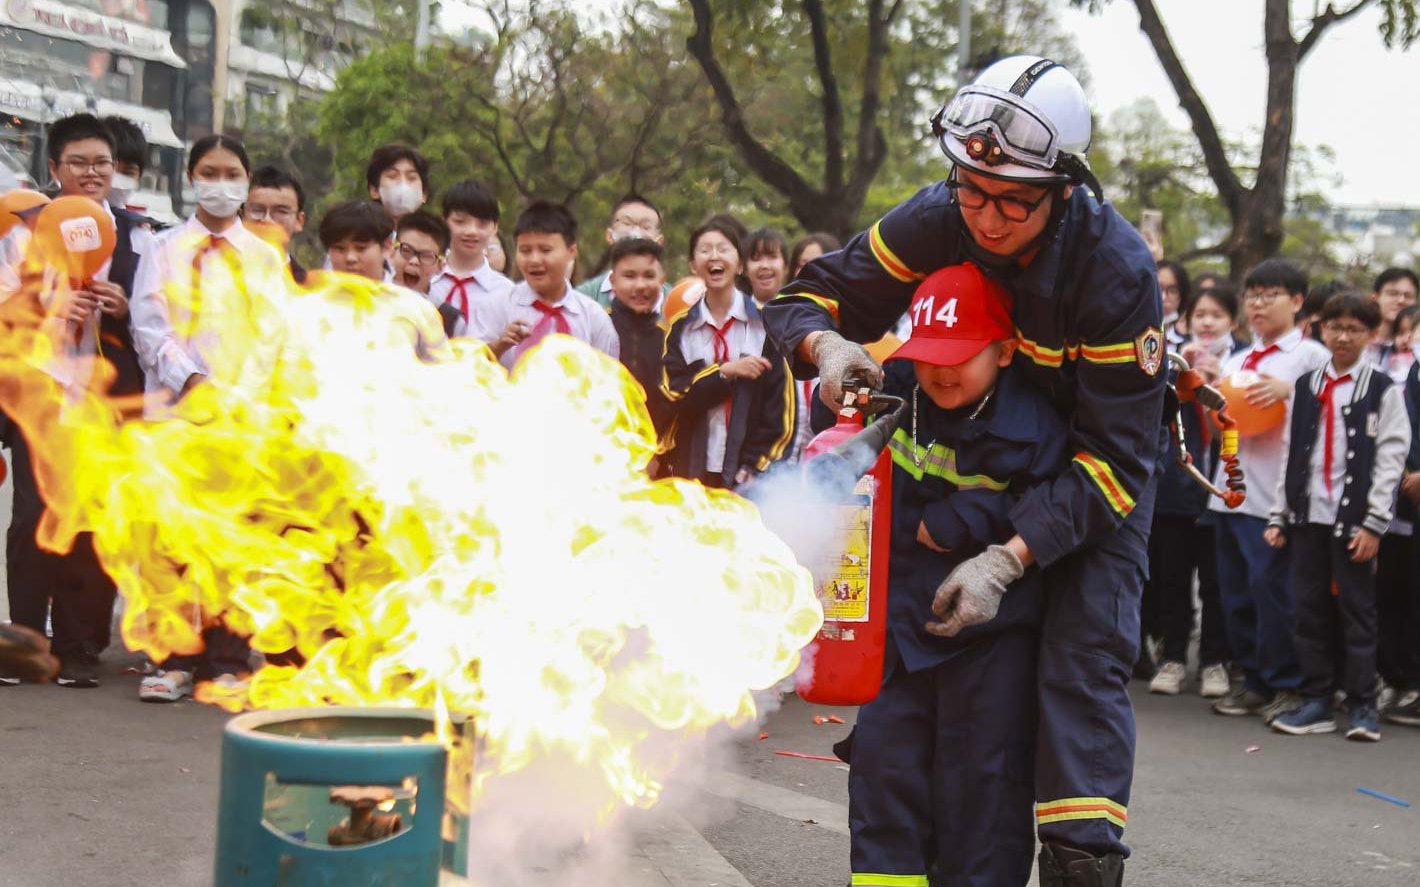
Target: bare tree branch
point(1215, 156)
point(832, 103)
point(1326, 19)
point(764, 162)
point(872, 144)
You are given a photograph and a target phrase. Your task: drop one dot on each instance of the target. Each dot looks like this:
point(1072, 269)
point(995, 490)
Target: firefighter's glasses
point(1012, 209)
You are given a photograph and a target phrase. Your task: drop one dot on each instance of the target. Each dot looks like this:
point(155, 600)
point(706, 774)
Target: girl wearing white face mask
point(193, 323)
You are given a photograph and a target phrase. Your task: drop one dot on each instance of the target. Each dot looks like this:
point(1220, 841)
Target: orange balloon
point(75, 234)
point(883, 348)
point(1251, 420)
point(13, 203)
point(686, 292)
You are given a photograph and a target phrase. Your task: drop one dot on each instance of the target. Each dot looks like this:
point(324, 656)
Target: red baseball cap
point(956, 312)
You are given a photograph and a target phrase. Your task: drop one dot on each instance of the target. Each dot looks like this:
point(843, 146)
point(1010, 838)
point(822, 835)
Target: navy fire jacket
point(962, 478)
point(1087, 312)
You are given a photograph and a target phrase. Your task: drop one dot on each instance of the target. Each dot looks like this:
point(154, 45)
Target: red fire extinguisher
point(844, 664)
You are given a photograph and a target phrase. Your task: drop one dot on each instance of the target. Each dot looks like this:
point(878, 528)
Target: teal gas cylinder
point(327, 796)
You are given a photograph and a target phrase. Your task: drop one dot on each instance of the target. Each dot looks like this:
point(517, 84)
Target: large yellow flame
point(425, 530)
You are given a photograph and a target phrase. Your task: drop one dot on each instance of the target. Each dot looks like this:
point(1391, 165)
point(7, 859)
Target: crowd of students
point(718, 392)
point(1307, 592)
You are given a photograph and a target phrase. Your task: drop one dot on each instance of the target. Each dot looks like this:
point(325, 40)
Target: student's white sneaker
point(165, 686)
point(1213, 682)
point(1169, 679)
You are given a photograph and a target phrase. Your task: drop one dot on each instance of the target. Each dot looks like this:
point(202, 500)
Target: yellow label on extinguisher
point(844, 587)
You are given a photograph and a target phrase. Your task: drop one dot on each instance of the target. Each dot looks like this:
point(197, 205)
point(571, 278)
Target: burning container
point(348, 796)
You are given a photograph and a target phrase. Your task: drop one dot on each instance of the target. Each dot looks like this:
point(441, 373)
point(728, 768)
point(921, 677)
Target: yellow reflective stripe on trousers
point(863, 879)
point(1067, 809)
point(938, 461)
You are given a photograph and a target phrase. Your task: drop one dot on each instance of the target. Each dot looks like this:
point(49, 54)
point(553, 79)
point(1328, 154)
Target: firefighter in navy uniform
point(1088, 315)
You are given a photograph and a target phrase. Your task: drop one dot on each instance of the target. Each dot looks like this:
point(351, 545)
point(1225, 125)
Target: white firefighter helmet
point(1023, 118)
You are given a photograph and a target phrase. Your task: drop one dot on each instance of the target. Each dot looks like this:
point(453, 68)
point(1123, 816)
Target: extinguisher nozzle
point(836, 471)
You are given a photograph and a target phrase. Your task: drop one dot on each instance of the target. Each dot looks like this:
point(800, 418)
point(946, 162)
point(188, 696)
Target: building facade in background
point(280, 50)
point(151, 61)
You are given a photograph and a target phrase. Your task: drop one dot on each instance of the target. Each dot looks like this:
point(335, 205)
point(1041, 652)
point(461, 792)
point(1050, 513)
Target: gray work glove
point(838, 359)
point(972, 593)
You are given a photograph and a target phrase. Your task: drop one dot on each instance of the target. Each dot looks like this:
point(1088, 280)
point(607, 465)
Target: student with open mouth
point(730, 396)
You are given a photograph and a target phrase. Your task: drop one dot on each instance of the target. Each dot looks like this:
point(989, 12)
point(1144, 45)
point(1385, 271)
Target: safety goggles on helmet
point(995, 127)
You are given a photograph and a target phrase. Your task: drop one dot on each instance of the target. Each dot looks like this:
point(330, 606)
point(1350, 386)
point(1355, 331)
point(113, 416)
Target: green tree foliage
point(550, 101)
point(826, 102)
point(551, 106)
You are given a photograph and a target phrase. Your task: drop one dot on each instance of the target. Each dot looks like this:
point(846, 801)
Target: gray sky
point(1353, 94)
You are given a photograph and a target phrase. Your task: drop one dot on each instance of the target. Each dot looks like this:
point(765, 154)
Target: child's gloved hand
point(972, 593)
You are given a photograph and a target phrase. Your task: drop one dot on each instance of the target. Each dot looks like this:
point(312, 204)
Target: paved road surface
point(100, 790)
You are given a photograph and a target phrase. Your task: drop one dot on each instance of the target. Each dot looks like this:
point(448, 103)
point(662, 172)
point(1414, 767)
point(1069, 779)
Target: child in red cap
point(942, 783)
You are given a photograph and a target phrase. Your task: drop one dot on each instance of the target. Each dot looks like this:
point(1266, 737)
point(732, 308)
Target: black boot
point(1062, 866)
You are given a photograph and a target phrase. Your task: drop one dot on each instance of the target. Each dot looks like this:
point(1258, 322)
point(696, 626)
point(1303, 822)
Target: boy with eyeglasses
point(421, 239)
point(467, 281)
point(1252, 577)
point(1350, 434)
point(275, 196)
point(632, 216)
point(72, 589)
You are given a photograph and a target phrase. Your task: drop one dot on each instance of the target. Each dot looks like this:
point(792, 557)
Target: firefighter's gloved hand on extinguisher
point(837, 360)
point(972, 593)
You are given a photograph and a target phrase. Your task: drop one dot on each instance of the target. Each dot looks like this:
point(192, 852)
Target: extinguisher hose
point(839, 468)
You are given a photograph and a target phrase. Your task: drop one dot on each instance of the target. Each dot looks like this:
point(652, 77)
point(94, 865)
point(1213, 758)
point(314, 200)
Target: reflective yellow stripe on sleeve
point(868, 879)
point(1067, 809)
point(1122, 352)
point(791, 404)
point(824, 302)
point(888, 259)
point(1105, 479)
point(1119, 353)
point(1040, 354)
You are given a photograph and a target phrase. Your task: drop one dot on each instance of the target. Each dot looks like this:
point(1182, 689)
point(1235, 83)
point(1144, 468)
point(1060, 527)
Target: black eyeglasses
point(410, 254)
point(1012, 209)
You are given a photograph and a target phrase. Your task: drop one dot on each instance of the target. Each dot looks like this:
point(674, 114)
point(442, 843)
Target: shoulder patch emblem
point(1149, 350)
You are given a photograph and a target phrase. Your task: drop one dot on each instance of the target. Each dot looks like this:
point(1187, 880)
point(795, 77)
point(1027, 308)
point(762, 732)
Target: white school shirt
point(169, 358)
point(1264, 456)
point(744, 338)
point(586, 320)
point(486, 286)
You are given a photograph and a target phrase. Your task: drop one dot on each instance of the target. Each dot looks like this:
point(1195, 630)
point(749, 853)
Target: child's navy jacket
point(961, 479)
